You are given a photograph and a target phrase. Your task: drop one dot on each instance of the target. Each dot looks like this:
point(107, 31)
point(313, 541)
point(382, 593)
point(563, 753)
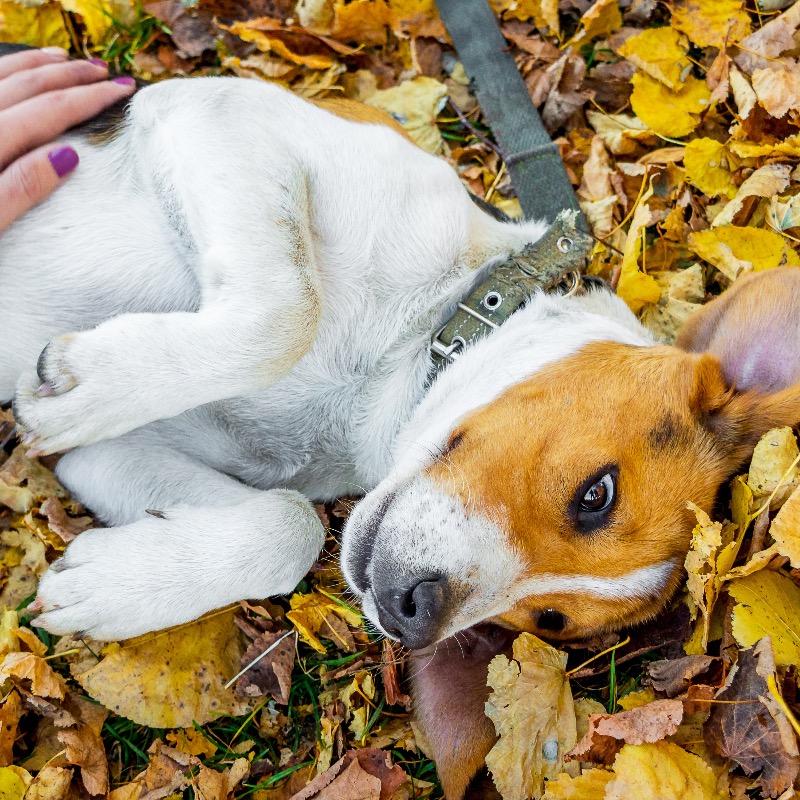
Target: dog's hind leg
point(224, 542)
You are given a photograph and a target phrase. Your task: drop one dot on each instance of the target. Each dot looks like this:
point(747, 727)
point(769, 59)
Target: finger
point(28, 59)
point(32, 178)
point(29, 83)
point(41, 119)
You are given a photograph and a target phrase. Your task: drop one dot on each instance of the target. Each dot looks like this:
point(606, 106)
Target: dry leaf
point(609, 732)
point(596, 193)
point(532, 711)
point(711, 23)
point(621, 133)
point(309, 614)
point(10, 714)
point(589, 785)
point(767, 604)
point(682, 292)
point(85, 750)
point(602, 18)
point(766, 181)
point(708, 167)
point(785, 529)
point(52, 783)
point(732, 249)
point(191, 741)
point(670, 113)
point(36, 25)
point(341, 782)
point(744, 729)
point(636, 288)
point(14, 782)
point(272, 674)
point(771, 466)
point(661, 771)
point(29, 667)
point(660, 53)
point(743, 93)
point(673, 676)
point(778, 90)
point(172, 678)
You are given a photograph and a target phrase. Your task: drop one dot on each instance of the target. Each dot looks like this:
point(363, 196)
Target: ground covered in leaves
point(679, 126)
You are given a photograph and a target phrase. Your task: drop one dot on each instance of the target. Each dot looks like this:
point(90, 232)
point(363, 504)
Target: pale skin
point(42, 95)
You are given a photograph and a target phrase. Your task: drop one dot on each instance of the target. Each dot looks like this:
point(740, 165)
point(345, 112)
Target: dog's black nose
point(411, 608)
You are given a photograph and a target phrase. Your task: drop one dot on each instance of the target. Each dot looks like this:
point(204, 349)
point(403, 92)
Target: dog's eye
point(594, 500)
point(454, 442)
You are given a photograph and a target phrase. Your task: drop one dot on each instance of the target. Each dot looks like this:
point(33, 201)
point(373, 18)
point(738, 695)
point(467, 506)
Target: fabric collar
point(547, 265)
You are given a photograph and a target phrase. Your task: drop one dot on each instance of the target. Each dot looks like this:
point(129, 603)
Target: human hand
point(42, 94)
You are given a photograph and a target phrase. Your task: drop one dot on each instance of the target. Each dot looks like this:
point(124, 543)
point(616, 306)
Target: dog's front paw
point(104, 587)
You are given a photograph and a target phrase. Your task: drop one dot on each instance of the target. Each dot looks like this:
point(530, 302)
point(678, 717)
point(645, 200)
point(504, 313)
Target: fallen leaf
point(743, 728)
point(711, 23)
point(709, 166)
point(682, 292)
point(532, 711)
point(778, 90)
point(673, 676)
point(589, 785)
point(14, 782)
point(272, 674)
point(99, 16)
point(38, 26)
point(210, 784)
point(772, 39)
point(660, 53)
point(192, 741)
point(596, 193)
point(670, 113)
point(600, 19)
point(766, 181)
point(784, 212)
point(29, 667)
point(621, 133)
point(85, 750)
point(10, 714)
point(59, 522)
point(167, 771)
point(661, 771)
point(172, 678)
point(767, 604)
point(634, 287)
point(743, 94)
point(785, 529)
point(52, 783)
point(732, 249)
point(375, 778)
point(609, 732)
point(773, 466)
point(309, 614)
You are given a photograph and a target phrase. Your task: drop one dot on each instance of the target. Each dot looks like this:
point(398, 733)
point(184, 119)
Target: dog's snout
point(411, 608)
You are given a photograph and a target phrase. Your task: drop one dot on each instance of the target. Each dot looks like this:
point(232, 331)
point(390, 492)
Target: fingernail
point(124, 80)
point(98, 62)
point(55, 52)
point(64, 160)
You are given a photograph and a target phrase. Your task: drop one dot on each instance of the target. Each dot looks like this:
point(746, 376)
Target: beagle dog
point(227, 312)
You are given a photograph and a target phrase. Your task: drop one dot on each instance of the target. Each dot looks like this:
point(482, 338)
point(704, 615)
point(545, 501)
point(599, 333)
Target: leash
point(550, 264)
point(532, 158)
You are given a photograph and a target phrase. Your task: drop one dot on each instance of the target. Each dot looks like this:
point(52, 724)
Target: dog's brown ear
point(448, 682)
point(737, 420)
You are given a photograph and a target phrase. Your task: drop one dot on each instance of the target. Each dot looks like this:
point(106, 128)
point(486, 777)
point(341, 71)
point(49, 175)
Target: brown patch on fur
point(107, 125)
point(360, 112)
point(524, 457)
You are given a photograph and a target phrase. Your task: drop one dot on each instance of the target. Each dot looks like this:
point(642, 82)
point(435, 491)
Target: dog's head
point(553, 501)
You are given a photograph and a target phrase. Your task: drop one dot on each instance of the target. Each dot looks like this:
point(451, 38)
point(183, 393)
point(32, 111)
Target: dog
point(227, 312)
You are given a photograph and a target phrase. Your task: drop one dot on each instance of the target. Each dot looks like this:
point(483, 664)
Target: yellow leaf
point(768, 604)
point(532, 711)
point(773, 466)
point(661, 771)
point(637, 699)
point(543, 13)
point(308, 615)
point(27, 666)
point(766, 181)
point(413, 18)
point(708, 167)
point(785, 529)
point(670, 113)
point(661, 53)
point(711, 23)
point(732, 249)
point(99, 15)
point(14, 782)
point(415, 104)
point(589, 785)
point(620, 132)
point(636, 288)
point(788, 147)
point(38, 26)
point(191, 741)
point(168, 679)
point(600, 19)
point(9, 623)
point(682, 292)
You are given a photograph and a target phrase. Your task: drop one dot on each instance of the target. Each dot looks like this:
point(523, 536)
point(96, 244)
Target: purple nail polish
point(64, 160)
point(98, 62)
point(124, 80)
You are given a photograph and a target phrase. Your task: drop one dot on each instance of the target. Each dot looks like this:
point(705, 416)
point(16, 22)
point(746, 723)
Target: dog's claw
point(45, 390)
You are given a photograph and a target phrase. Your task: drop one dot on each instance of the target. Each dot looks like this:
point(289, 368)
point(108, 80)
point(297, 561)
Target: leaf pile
point(679, 126)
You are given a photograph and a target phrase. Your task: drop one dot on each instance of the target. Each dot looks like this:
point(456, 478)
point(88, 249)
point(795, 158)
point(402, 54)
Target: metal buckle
point(448, 351)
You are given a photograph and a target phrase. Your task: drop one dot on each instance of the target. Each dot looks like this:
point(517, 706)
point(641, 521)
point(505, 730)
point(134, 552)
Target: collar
point(549, 264)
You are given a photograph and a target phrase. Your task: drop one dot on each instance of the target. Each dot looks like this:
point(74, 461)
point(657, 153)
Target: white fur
point(239, 293)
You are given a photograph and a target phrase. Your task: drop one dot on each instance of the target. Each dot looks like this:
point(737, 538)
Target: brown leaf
point(210, 784)
point(609, 732)
point(272, 675)
point(59, 522)
point(24, 482)
point(167, 770)
point(391, 681)
point(85, 749)
point(52, 783)
point(673, 676)
point(334, 785)
point(745, 730)
point(27, 666)
point(10, 714)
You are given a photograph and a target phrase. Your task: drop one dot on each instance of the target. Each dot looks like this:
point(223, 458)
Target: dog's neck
point(413, 417)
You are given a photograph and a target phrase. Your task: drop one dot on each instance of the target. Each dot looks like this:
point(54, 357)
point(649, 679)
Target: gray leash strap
point(531, 157)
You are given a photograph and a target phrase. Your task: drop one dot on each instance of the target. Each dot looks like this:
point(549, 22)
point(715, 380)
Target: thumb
point(31, 178)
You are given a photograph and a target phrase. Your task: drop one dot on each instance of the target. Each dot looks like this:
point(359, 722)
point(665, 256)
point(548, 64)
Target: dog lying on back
point(227, 312)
